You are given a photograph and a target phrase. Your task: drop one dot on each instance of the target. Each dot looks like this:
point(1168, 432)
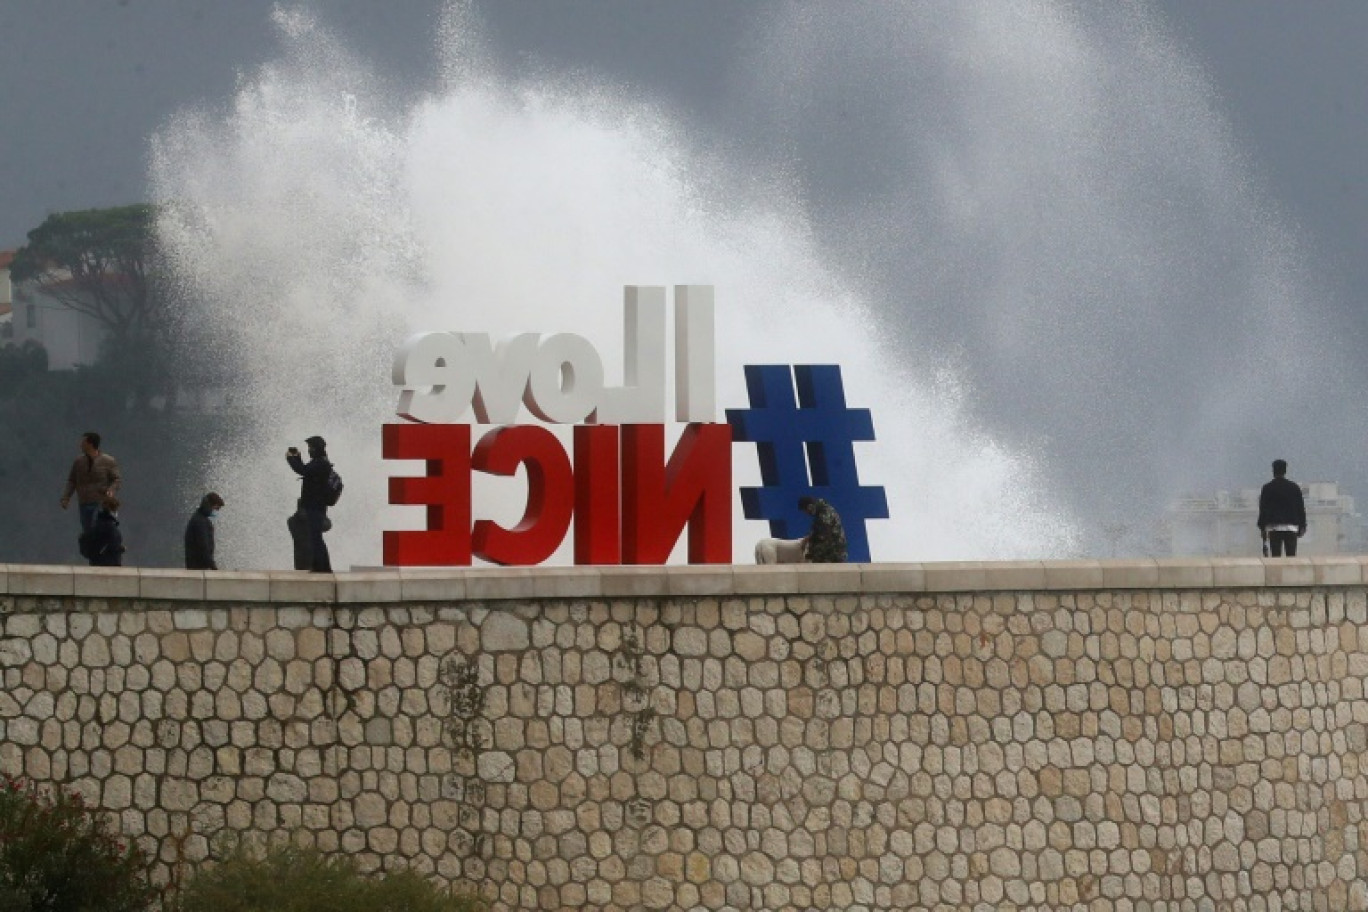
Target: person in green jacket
point(826, 543)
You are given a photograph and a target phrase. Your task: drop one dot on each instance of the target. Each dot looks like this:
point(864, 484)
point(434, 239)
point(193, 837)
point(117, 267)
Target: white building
point(1225, 524)
point(72, 339)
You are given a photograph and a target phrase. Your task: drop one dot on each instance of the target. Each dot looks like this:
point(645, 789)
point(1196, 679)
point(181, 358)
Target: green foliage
point(291, 879)
point(96, 262)
point(56, 855)
point(17, 362)
point(88, 242)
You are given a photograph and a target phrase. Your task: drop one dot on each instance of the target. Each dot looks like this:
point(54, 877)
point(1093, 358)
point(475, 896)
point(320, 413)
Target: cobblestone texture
point(1200, 750)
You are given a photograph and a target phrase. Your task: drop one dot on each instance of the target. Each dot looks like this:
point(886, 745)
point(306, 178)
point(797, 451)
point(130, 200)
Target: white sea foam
point(1047, 198)
point(319, 225)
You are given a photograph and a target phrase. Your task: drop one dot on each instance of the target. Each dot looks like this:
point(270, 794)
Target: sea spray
point(318, 226)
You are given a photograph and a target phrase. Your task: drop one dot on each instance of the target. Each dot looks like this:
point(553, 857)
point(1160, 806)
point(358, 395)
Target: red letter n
point(694, 489)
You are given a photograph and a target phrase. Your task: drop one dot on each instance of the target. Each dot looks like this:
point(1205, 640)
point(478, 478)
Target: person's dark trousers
point(321, 562)
point(298, 524)
point(1280, 541)
point(88, 511)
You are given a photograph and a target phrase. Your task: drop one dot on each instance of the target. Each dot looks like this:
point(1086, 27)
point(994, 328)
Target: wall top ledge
point(380, 585)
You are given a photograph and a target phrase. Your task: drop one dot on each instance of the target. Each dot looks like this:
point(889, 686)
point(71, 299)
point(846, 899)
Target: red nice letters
point(625, 500)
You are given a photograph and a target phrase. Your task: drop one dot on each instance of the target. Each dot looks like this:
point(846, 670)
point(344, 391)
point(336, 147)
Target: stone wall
point(1123, 735)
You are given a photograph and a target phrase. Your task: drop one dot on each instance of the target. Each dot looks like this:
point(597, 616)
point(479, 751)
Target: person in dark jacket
point(1282, 512)
point(199, 534)
point(313, 496)
point(103, 545)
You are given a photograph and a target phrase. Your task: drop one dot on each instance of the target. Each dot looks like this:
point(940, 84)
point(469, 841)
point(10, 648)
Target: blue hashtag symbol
point(817, 431)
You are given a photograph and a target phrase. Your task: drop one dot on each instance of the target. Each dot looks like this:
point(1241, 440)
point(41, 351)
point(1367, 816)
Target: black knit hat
point(316, 443)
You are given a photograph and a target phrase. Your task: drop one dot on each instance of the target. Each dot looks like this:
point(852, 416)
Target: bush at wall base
point(292, 879)
point(57, 855)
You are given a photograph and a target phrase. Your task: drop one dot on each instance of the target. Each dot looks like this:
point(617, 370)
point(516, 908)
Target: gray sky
point(86, 82)
point(1290, 78)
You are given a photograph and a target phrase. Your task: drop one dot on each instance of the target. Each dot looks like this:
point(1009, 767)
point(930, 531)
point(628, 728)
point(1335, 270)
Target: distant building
point(72, 339)
point(1224, 524)
point(27, 314)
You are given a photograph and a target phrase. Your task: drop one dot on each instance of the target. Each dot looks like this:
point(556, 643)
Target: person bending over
point(826, 543)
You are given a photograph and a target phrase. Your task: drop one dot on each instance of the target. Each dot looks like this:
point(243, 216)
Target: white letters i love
point(560, 377)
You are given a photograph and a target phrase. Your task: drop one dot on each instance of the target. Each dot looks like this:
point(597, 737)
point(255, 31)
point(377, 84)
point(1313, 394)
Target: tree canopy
point(95, 262)
point(127, 393)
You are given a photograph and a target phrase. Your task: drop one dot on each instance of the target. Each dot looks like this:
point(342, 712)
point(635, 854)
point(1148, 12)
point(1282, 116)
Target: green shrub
point(57, 855)
point(290, 879)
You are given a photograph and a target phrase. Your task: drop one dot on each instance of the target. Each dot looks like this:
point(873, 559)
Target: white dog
point(781, 551)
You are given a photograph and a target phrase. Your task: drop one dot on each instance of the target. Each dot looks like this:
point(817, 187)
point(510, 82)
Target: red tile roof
point(6, 257)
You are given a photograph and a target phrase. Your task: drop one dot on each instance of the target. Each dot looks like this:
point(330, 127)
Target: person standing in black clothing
point(313, 497)
point(199, 534)
point(1282, 512)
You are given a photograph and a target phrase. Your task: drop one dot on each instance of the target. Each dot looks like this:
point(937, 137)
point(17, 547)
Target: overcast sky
point(85, 83)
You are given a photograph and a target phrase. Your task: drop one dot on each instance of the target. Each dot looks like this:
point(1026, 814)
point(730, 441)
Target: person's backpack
point(334, 487)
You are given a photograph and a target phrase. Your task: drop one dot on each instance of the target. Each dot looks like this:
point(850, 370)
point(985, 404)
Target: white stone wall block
point(503, 632)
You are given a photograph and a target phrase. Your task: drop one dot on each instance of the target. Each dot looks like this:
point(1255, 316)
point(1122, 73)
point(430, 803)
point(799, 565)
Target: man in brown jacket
point(94, 476)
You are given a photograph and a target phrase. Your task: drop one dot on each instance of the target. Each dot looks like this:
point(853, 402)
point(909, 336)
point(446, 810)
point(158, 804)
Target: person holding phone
point(314, 497)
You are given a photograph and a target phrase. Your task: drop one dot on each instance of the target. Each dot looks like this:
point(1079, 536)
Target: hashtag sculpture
point(806, 447)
